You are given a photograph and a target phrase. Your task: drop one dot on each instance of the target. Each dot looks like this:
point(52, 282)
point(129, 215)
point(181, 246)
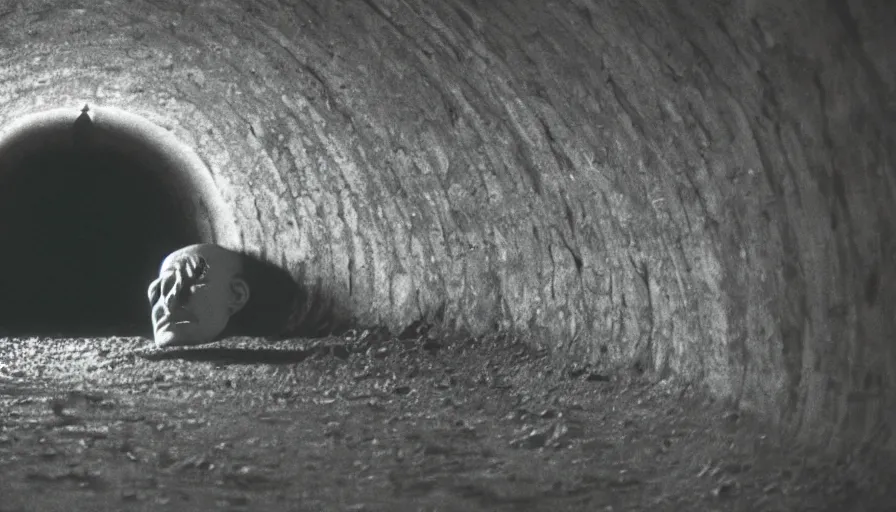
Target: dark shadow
point(232, 355)
point(312, 312)
point(83, 227)
point(273, 294)
point(224, 355)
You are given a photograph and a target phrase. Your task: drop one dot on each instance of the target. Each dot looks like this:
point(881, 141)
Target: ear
point(239, 294)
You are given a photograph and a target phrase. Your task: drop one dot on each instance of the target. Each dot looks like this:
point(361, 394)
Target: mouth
point(167, 322)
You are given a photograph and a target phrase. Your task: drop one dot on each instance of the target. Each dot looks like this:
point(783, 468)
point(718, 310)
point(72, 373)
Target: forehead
point(206, 258)
point(181, 260)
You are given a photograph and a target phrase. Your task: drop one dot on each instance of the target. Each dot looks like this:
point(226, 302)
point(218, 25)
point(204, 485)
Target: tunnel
point(694, 191)
point(89, 211)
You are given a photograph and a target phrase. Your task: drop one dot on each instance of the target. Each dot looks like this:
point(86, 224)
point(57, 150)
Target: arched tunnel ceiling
point(705, 191)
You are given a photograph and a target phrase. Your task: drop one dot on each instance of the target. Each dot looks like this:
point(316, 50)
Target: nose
point(169, 300)
point(164, 304)
point(160, 310)
point(170, 286)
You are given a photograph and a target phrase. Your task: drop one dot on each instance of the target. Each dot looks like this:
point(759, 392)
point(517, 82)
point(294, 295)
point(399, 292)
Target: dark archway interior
point(83, 229)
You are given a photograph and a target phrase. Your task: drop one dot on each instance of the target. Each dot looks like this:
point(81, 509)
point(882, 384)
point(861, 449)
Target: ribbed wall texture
point(704, 189)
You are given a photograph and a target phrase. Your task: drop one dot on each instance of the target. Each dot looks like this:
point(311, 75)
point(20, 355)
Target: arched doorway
point(90, 203)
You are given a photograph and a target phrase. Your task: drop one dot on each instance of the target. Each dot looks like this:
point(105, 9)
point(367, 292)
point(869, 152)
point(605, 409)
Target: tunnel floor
point(367, 424)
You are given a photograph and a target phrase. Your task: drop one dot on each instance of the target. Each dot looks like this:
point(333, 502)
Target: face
point(196, 293)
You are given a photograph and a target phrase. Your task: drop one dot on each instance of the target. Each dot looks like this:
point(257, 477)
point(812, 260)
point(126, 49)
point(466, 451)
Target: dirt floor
point(359, 424)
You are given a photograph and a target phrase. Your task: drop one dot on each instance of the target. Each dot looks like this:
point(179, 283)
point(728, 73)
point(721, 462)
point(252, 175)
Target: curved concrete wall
point(706, 192)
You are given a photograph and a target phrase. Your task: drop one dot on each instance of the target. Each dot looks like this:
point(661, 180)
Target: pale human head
point(198, 290)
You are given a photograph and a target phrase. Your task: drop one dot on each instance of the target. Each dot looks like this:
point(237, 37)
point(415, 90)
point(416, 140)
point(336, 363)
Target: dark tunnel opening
point(84, 225)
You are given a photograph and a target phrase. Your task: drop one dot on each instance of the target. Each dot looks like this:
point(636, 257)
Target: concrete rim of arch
point(180, 165)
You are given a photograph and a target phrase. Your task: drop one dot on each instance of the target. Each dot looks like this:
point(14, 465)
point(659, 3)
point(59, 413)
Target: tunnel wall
point(683, 190)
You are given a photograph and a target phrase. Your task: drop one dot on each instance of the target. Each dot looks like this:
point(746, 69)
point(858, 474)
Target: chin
point(169, 337)
point(164, 338)
point(181, 336)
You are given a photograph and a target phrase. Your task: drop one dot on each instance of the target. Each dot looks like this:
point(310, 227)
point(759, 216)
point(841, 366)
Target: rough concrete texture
point(693, 188)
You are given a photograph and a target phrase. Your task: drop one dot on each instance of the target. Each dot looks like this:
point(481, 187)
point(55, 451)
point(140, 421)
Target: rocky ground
point(366, 424)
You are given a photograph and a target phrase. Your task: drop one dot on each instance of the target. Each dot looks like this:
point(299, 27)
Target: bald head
point(198, 289)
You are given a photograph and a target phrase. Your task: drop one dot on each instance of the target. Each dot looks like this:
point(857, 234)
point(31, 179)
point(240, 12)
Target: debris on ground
point(360, 423)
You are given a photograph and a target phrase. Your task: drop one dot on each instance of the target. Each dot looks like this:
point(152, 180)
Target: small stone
point(332, 429)
point(704, 470)
point(577, 371)
point(532, 440)
point(724, 489)
point(402, 390)
point(731, 417)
